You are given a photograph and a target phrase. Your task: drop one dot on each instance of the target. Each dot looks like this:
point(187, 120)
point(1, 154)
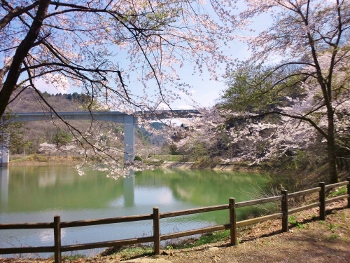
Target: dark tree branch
point(21, 53)
point(15, 12)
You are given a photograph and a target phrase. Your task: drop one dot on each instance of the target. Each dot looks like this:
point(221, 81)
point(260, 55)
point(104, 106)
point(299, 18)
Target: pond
point(37, 194)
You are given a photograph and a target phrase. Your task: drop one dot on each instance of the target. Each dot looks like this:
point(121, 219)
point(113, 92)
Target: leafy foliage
point(260, 89)
point(62, 137)
point(12, 132)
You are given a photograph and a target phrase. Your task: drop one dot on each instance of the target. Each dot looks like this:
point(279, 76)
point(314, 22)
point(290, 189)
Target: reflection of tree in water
point(195, 185)
point(60, 187)
point(205, 188)
point(42, 188)
point(4, 184)
point(129, 191)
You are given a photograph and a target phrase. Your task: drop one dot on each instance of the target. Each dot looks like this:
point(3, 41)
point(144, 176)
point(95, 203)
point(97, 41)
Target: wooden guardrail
point(156, 216)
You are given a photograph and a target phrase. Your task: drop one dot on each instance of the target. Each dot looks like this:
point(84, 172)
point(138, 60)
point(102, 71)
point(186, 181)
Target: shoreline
point(238, 167)
point(41, 160)
point(46, 162)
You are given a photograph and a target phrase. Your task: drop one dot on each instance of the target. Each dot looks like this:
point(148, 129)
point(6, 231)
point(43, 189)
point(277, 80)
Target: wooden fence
point(156, 216)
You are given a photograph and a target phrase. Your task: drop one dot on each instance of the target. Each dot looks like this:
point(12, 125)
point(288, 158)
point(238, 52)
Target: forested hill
point(36, 133)
point(28, 138)
point(30, 101)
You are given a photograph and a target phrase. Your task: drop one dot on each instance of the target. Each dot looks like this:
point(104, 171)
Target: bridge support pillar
point(4, 149)
point(129, 139)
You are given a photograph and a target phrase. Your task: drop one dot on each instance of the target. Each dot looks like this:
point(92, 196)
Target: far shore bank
point(218, 167)
point(40, 160)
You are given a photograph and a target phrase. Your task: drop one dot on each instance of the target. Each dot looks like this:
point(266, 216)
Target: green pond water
point(37, 194)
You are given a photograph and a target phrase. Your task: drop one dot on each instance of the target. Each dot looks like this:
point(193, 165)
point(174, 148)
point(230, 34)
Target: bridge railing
point(156, 217)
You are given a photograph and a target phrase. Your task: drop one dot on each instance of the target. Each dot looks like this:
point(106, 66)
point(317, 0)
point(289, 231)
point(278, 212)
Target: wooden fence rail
point(156, 217)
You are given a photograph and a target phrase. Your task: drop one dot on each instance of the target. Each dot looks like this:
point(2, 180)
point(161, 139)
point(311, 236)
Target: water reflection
point(4, 186)
point(61, 188)
point(37, 194)
point(129, 190)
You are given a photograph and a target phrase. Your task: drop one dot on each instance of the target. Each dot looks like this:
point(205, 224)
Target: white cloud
point(162, 106)
point(53, 84)
point(185, 107)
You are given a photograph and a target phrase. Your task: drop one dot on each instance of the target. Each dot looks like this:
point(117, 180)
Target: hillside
point(29, 101)
point(36, 133)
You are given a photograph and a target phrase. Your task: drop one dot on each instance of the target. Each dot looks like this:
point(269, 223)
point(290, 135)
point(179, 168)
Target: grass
point(170, 158)
point(30, 158)
point(292, 220)
point(132, 252)
point(73, 257)
point(38, 159)
point(333, 237)
point(208, 239)
point(333, 226)
point(158, 159)
point(204, 239)
point(138, 251)
point(338, 191)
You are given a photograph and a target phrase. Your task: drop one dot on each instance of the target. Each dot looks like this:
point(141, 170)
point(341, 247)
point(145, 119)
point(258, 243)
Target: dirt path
point(315, 241)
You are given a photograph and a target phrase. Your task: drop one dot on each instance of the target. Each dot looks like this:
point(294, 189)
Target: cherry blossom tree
point(199, 137)
point(100, 46)
point(302, 65)
point(103, 48)
point(235, 138)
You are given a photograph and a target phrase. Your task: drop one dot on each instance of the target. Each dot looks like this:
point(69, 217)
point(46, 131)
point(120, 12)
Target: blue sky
point(205, 92)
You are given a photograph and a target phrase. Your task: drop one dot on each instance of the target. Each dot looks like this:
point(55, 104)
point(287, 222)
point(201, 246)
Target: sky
point(205, 92)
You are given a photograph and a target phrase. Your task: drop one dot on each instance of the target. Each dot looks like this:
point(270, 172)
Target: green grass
point(70, 257)
point(169, 157)
point(293, 222)
point(204, 239)
point(332, 226)
point(212, 237)
point(135, 251)
point(332, 237)
point(31, 157)
point(338, 191)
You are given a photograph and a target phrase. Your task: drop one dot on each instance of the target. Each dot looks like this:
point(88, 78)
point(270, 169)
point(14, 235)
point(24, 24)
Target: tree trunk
point(331, 148)
point(22, 51)
point(333, 175)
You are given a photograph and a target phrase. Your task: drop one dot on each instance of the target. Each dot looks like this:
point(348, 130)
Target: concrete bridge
point(129, 121)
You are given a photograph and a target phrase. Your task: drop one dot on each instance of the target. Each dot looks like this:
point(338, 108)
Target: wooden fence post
point(348, 179)
point(322, 200)
point(284, 208)
point(233, 222)
point(57, 238)
point(156, 230)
